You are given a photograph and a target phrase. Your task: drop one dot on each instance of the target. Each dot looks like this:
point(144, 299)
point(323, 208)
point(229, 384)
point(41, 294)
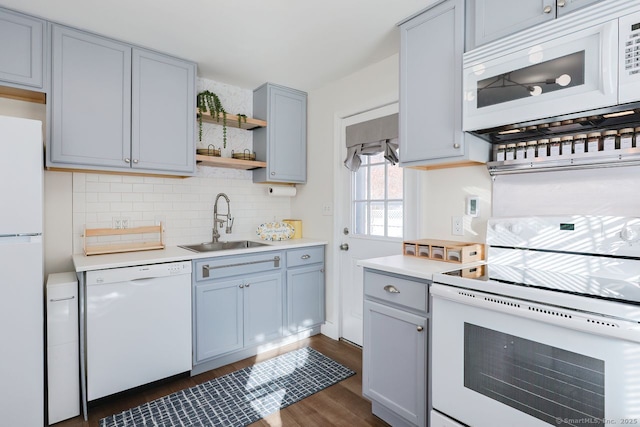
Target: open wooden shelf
point(112, 248)
point(232, 121)
point(226, 162)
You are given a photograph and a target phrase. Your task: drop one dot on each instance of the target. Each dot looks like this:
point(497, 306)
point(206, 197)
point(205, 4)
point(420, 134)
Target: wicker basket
point(245, 155)
point(210, 151)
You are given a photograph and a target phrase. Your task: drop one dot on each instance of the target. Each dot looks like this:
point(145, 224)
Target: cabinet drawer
point(215, 268)
point(396, 289)
point(305, 256)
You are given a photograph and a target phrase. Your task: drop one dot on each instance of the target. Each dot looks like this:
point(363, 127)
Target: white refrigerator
point(21, 273)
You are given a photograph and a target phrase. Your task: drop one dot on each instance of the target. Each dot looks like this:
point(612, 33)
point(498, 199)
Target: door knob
point(344, 247)
point(420, 328)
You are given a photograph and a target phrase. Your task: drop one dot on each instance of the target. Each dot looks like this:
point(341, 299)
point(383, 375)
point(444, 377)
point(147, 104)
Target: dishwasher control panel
point(139, 272)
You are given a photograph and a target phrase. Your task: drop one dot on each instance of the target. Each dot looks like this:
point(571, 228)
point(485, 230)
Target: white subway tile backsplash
point(109, 197)
point(142, 188)
point(97, 187)
point(187, 215)
point(133, 179)
point(121, 188)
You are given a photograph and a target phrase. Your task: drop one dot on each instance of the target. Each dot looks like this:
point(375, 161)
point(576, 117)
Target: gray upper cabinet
point(119, 108)
point(489, 20)
point(91, 100)
point(283, 143)
point(431, 50)
point(162, 115)
point(21, 50)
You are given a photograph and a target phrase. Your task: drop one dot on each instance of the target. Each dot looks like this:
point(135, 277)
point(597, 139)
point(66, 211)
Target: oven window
point(554, 385)
point(549, 76)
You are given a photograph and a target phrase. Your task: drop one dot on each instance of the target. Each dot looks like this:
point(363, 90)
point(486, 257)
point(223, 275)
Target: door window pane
point(361, 183)
point(394, 219)
point(378, 179)
point(377, 192)
point(377, 218)
point(394, 183)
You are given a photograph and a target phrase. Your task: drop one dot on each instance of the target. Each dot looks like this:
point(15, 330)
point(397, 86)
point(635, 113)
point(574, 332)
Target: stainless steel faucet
point(217, 222)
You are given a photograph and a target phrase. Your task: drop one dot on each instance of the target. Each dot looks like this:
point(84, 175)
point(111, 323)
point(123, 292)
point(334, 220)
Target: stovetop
point(586, 263)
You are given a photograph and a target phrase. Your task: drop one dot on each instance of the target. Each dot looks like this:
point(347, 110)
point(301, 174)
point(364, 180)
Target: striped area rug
point(239, 398)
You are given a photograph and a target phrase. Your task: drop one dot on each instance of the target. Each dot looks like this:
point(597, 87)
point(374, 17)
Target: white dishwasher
point(138, 326)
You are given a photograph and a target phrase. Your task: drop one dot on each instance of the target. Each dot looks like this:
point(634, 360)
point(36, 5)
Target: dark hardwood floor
point(339, 405)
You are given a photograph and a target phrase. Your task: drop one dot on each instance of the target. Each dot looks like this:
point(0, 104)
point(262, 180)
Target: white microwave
point(574, 64)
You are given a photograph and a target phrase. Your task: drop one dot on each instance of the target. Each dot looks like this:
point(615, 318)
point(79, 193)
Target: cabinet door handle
point(273, 173)
point(247, 285)
point(206, 269)
point(391, 289)
point(456, 145)
point(420, 328)
point(547, 9)
point(241, 286)
point(305, 256)
point(561, 3)
point(127, 160)
point(61, 299)
point(135, 160)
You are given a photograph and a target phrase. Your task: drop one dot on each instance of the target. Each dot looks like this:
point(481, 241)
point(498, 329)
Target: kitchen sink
point(221, 246)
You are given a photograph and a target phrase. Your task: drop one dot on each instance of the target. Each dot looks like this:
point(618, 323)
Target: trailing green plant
point(208, 101)
point(241, 118)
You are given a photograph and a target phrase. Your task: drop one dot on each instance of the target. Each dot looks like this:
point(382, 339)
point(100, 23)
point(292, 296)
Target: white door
point(371, 222)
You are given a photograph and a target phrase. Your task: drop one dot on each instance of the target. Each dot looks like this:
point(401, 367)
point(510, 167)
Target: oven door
point(573, 73)
point(498, 361)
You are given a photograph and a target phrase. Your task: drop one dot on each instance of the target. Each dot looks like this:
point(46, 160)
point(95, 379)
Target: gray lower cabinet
point(489, 20)
point(21, 50)
point(305, 288)
point(244, 302)
point(119, 108)
point(283, 143)
point(395, 362)
point(233, 314)
point(238, 303)
point(431, 48)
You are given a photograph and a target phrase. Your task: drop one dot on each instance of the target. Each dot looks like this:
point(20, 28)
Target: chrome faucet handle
point(229, 225)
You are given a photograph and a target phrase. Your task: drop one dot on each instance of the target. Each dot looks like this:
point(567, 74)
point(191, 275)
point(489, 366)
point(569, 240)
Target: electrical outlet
point(327, 210)
point(117, 223)
point(456, 226)
point(125, 222)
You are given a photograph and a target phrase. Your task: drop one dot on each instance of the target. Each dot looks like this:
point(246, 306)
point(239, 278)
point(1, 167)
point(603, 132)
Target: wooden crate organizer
point(112, 248)
point(444, 250)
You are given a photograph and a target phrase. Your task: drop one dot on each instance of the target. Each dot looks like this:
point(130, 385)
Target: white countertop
point(412, 266)
point(174, 253)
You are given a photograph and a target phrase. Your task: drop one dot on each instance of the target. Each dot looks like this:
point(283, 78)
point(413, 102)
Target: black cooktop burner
point(577, 284)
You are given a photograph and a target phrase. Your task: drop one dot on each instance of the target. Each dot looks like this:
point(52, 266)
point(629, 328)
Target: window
point(377, 198)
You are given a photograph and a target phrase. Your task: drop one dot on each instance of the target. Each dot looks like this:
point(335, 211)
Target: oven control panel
point(605, 235)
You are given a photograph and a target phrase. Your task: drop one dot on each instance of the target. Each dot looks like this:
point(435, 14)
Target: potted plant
point(208, 101)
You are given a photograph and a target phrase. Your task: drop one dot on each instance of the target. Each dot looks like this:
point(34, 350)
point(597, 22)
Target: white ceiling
point(303, 44)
